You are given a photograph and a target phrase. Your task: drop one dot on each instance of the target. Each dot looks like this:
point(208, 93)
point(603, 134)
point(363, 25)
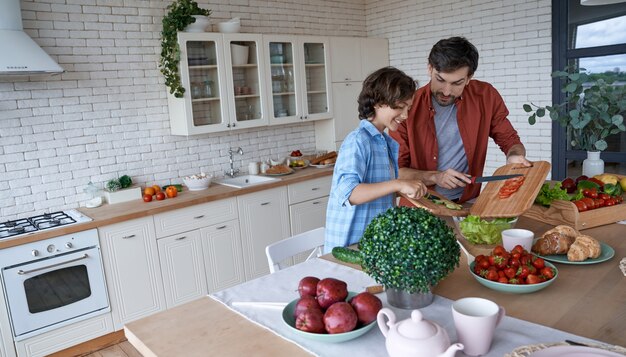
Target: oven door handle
point(22, 272)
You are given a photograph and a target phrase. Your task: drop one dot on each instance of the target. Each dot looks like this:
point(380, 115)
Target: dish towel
point(282, 287)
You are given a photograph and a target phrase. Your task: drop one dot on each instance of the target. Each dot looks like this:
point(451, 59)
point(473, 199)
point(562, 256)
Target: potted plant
point(409, 251)
point(121, 190)
point(180, 14)
point(593, 109)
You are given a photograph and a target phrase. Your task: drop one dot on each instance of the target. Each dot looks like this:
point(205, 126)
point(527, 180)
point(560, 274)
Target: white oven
point(53, 282)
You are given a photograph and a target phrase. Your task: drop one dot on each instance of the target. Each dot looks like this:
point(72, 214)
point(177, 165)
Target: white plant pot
point(593, 165)
point(124, 195)
point(201, 24)
point(239, 54)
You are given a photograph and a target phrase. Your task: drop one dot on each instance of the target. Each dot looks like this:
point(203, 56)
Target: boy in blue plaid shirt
point(365, 178)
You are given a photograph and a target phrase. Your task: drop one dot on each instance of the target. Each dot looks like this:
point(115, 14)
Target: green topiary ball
point(409, 249)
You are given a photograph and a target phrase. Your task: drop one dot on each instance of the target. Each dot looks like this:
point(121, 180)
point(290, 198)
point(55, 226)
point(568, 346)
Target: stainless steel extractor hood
point(20, 54)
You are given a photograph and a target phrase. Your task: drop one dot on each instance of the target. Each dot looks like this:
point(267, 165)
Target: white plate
point(574, 351)
point(322, 166)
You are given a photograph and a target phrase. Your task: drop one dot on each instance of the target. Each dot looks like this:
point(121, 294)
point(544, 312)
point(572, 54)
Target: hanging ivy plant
point(180, 15)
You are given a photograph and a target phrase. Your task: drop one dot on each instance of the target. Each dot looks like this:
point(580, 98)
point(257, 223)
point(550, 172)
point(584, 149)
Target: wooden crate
point(565, 212)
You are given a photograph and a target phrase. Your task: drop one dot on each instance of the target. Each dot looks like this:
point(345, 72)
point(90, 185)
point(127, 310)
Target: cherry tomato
point(589, 203)
point(593, 193)
point(580, 205)
point(147, 198)
point(160, 196)
point(604, 196)
point(599, 202)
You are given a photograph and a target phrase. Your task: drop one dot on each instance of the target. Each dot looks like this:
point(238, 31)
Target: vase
point(593, 165)
point(201, 24)
point(404, 300)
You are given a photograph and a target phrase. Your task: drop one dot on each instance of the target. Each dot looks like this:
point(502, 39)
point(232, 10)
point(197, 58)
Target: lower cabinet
point(223, 257)
point(264, 219)
point(182, 264)
point(132, 269)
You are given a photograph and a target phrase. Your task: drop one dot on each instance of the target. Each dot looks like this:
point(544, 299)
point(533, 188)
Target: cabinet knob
point(347, 78)
point(234, 124)
point(228, 125)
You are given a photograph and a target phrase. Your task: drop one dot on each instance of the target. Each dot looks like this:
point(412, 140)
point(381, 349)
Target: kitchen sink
point(245, 181)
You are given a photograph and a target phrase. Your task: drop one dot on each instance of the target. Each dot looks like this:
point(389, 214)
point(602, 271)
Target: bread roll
point(555, 241)
point(583, 248)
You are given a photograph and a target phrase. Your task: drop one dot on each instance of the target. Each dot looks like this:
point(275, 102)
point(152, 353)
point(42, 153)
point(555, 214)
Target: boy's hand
point(412, 188)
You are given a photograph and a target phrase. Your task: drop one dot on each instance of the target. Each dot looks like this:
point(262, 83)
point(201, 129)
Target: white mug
point(475, 320)
point(515, 236)
point(253, 168)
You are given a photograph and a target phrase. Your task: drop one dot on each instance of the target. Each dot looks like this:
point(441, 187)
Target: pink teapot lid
point(416, 327)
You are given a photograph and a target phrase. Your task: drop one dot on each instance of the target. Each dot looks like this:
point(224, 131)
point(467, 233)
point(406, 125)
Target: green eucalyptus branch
point(590, 113)
point(180, 15)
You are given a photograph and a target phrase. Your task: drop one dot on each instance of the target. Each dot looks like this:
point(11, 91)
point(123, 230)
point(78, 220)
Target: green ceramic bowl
point(322, 337)
point(511, 288)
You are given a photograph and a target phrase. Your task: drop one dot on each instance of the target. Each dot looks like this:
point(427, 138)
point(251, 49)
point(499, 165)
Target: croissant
point(555, 241)
point(584, 247)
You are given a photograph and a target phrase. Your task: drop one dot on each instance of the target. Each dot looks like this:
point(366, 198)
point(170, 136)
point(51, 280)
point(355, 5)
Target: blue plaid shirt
point(364, 157)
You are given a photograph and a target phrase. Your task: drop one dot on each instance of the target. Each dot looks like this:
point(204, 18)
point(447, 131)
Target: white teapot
point(415, 337)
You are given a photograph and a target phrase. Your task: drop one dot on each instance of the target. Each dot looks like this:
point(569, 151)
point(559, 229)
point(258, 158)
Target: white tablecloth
point(282, 287)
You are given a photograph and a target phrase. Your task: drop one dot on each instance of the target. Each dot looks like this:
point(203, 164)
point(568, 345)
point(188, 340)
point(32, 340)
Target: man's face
point(446, 87)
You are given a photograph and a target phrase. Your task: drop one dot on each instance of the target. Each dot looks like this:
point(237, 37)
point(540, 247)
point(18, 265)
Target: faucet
point(232, 172)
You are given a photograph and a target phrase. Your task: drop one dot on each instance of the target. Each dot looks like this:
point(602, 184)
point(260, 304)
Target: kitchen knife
point(493, 178)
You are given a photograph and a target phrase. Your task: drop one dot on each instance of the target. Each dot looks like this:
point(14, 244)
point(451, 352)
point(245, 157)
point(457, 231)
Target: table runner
point(282, 286)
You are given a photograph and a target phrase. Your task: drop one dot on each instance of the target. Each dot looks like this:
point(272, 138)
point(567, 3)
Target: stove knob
point(34, 252)
point(68, 245)
point(51, 248)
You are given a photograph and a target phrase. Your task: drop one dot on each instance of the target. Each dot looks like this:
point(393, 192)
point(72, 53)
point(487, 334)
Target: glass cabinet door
point(285, 105)
point(245, 62)
point(204, 83)
point(317, 78)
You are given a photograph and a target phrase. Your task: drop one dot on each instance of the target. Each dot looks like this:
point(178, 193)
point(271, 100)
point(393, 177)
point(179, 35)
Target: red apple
point(366, 306)
point(330, 291)
point(308, 286)
point(305, 303)
point(340, 317)
point(311, 320)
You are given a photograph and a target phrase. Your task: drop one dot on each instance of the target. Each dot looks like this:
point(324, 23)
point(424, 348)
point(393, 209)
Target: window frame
point(561, 54)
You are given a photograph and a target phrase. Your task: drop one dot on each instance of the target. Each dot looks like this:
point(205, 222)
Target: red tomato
point(598, 202)
point(532, 279)
point(160, 196)
point(147, 198)
point(539, 263)
point(604, 196)
point(589, 203)
point(547, 272)
point(581, 206)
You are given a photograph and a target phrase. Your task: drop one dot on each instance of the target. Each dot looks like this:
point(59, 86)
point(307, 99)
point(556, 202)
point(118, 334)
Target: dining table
point(586, 303)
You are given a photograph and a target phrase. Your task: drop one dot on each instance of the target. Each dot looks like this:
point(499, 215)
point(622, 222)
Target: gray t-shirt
point(451, 151)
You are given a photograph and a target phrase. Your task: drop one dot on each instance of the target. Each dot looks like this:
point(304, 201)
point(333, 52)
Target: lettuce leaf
point(480, 231)
point(546, 194)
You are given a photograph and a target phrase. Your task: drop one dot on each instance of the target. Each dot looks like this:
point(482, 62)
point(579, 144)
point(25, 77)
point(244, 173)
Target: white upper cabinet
point(245, 65)
point(297, 78)
point(354, 58)
point(222, 75)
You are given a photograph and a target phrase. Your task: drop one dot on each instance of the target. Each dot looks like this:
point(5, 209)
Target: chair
point(286, 248)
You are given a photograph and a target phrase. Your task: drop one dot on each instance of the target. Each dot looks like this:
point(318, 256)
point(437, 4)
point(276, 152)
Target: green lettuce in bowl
point(483, 231)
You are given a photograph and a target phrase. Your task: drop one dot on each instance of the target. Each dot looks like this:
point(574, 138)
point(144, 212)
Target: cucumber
point(347, 255)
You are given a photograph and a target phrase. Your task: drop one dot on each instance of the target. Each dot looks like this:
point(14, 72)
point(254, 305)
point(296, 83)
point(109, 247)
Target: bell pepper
point(607, 178)
point(612, 189)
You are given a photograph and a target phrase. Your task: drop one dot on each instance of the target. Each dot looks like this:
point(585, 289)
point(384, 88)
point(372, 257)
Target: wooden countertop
point(586, 300)
point(110, 214)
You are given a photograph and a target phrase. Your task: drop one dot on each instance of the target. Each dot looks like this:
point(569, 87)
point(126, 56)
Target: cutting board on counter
point(434, 208)
point(488, 204)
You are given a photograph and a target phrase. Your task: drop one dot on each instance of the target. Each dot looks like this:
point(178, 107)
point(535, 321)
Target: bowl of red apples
point(327, 312)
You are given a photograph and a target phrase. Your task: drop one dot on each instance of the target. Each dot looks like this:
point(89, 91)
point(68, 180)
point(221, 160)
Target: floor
point(122, 349)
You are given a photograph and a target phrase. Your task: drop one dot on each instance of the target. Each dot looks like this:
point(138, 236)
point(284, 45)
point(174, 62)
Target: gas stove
point(24, 226)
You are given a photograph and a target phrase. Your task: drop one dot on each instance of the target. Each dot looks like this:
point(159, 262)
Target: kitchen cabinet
point(222, 75)
point(6, 337)
point(132, 269)
point(307, 207)
point(223, 255)
point(352, 60)
point(189, 269)
point(182, 265)
point(263, 219)
point(297, 78)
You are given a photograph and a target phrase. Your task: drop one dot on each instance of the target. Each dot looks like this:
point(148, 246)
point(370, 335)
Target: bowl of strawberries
point(517, 271)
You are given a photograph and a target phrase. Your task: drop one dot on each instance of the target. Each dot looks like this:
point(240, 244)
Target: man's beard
point(449, 101)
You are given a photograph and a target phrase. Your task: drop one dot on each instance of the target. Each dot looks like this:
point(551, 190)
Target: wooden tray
point(488, 204)
point(565, 212)
point(436, 209)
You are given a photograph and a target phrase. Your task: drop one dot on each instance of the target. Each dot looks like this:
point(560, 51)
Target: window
point(593, 38)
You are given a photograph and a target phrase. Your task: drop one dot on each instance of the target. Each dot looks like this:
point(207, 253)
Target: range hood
point(20, 54)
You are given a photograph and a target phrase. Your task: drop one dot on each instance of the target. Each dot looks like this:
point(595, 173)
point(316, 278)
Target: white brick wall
point(514, 41)
point(107, 115)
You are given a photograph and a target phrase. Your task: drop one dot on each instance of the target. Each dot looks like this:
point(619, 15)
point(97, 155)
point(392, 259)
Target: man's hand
point(517, 155)
point(451, 179)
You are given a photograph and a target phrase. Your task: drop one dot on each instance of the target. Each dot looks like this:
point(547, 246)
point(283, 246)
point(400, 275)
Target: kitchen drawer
point(194, 217)
point(308, 190)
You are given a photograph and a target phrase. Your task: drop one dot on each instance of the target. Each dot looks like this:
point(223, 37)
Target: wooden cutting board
point(488, 204)
point(434, 208)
